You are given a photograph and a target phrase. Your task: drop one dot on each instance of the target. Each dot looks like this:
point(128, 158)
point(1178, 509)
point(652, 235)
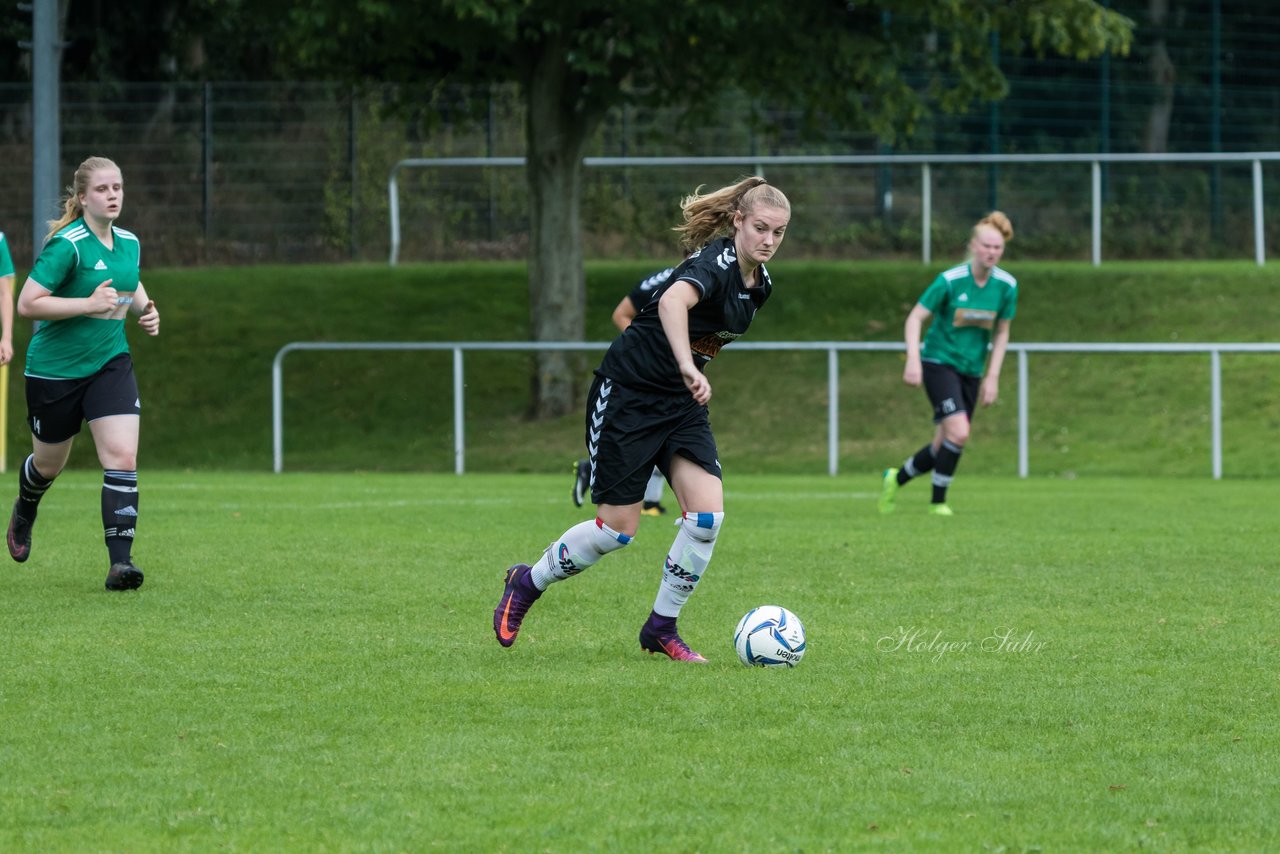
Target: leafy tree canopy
point(878, 65)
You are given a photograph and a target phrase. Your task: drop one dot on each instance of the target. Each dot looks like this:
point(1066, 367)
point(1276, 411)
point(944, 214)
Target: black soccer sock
point(119, 512)
point(31, 488)
point(923, 461)
point(945, 470)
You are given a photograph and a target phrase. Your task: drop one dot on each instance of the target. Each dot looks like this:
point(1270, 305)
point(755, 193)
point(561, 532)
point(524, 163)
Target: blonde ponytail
point(710, 215)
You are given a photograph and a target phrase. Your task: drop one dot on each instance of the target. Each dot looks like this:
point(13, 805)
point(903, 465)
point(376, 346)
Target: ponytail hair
point(72, 210)
point(998, 221)
point(709, 215)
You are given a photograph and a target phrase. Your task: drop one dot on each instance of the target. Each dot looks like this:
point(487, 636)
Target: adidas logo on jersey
point(963, 298)
point(101, 265)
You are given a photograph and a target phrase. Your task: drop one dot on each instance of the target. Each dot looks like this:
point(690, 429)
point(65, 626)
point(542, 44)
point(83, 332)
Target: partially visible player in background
point(6, 302)
point(648, 406)
point(972, 306)
point(83, 284)
point(626, 310)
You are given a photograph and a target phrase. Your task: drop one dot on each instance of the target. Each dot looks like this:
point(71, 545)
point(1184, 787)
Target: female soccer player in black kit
point(648, 406)
point(625, 312)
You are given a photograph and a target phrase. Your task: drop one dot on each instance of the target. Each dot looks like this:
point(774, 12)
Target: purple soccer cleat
point(516, 600)
point(658, 635)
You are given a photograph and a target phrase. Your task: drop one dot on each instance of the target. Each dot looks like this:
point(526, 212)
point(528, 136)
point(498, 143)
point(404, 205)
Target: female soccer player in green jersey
point(82, 286)
point(972, 306)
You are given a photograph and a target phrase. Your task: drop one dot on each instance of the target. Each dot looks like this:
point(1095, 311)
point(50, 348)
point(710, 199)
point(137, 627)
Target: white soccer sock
point(578, 548)
point(653, 491)
point(687, 561)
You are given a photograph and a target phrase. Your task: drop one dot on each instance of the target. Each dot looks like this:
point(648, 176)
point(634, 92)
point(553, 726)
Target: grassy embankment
point(207, 393)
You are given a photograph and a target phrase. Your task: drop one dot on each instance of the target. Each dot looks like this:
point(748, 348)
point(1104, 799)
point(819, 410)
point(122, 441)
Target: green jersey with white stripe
point(6, 260)
point(964, 316)
point(73, 264)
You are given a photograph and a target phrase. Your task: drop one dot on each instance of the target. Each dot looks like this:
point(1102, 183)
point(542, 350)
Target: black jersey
point(641, 356)
point(643, 292)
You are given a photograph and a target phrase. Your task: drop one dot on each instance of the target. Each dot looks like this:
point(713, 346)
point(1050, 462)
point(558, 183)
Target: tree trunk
point(1163, 75)
point(557, 288)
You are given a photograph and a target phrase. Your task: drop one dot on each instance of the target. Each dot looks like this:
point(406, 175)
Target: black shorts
point(949, 390)
point(56, 408)
point(630, 431)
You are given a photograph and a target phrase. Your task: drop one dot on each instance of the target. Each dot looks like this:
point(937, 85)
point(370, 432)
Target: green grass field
point(310, 666)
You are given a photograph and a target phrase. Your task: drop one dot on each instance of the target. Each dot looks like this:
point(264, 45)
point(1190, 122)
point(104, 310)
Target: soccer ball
point(769, 636)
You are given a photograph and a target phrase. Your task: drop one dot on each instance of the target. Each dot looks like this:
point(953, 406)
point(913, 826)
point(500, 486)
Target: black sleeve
point(707, 271)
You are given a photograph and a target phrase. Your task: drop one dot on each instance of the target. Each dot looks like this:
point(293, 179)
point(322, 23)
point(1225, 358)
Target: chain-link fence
point(272, 172)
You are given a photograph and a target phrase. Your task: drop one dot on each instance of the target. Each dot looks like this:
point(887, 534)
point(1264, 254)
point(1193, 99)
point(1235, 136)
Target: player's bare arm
point(673, 311)
point(37, 302)
point(999, 346)
point(912, 373)
point(623, 314)
point(6, 319)
point(148, 314)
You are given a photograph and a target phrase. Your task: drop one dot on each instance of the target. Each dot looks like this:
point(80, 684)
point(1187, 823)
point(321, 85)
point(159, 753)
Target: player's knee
point(702, 526)
point(958, 433)
point(121, 462)
point(49, 469)
point(609, 539)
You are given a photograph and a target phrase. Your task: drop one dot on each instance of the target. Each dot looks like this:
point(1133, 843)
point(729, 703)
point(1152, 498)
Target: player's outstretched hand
point(150, 319)
point(989, 391)
point(913, 373)
point(697, 383)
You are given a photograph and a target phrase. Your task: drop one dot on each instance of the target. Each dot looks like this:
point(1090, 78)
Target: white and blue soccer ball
point(769, 636)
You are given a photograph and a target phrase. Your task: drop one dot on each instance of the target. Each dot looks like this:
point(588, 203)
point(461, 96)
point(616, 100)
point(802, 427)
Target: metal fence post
point(1259, 238)
point(393, 200)
point(833, 412)
point(46, 118)
point(277, 410)
point(1096, 173)
point(926, 214)
point(459, 441)
point(1023, 455)
point(1215, 410)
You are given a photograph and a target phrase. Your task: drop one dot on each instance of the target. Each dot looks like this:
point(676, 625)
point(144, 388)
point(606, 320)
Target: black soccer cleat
point(581, 481)
point(124, 576)
point(19, 536)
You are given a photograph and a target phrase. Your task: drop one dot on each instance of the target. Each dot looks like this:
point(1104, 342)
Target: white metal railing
point(924, 161)
point(832, 348)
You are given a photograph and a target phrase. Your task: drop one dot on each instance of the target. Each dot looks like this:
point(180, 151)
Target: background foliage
point(237, 172)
